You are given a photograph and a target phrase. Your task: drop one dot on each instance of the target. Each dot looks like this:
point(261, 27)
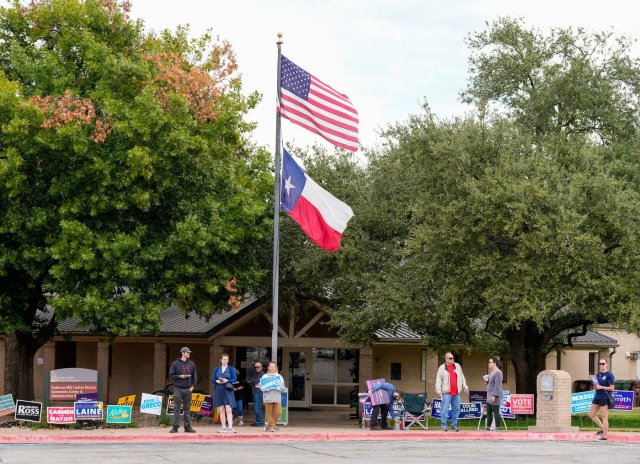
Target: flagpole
point(276, 220)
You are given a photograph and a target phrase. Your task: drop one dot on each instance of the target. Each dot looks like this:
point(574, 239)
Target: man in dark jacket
point(256, 392)
point(184, 377)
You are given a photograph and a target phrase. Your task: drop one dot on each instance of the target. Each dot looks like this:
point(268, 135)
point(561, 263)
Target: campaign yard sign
point(522, 403)
point(28, 411)
point(127, 400)
point(505, 405)
point(207, 406)
point(88, 410)
point(7, 406)
point(581, 401)
point(61, 415)
point(119, 414)
point(196, 402)
point(624, 400)
point(380, 396)
point(268, 382)
point(467, 410)
point(151, 404)
point(93, 396)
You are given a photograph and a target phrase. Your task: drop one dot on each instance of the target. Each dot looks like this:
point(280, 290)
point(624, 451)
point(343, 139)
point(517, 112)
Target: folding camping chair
point(416, 409)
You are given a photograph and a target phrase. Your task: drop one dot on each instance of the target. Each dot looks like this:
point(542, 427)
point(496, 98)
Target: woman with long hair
point(223, 394)
point(272, 385)
point(604, 382)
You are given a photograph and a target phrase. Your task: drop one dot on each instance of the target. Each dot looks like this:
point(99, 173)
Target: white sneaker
point(241, 423)
point(222, 430)
point(231, 430)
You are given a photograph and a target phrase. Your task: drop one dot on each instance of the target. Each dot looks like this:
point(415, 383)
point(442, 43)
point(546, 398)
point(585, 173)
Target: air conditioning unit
point(633, 355)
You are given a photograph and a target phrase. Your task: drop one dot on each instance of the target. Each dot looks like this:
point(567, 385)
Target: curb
point(318, 437)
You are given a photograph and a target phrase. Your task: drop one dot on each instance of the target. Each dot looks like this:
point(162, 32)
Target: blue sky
point(388, 56)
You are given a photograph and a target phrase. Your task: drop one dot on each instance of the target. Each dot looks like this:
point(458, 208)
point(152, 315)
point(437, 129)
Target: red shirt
point(453, 378)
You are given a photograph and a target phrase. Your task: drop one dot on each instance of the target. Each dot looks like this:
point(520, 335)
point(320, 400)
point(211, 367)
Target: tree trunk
point(526, 349)
point(18, 372)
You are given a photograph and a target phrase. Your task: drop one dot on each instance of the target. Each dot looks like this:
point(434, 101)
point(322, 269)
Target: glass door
point(299, 377)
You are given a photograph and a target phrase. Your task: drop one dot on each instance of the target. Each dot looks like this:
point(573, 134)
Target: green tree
point(500, 237)
point(568, 81)
point(126, 179)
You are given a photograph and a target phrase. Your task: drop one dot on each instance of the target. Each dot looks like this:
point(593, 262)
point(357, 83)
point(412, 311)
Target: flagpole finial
point(279, 38)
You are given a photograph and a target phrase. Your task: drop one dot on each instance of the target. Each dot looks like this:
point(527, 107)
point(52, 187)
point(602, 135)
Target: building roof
point(173, 321)
point(594, 339)
point(401, 334)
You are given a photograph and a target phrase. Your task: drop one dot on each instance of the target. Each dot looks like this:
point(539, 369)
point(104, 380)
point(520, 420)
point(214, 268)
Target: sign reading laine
point(88, 410)
point(29, 411)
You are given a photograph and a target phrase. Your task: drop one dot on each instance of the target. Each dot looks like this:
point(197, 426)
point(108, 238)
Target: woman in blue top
point(224, 397)
point(604, 383)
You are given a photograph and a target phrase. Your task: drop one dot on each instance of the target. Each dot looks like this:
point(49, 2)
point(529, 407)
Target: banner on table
point(467, 410)
point(61, 415)
point(119, 414)
point(151, 404)
point(29, 411)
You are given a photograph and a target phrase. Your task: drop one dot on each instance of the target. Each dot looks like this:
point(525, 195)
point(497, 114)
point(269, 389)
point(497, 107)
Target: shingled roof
point(402, 334)
point(173, 322)
point(595, 339)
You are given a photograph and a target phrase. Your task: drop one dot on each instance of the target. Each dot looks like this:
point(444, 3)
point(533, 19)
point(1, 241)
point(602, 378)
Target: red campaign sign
point(522, 404)
point(61, 415)
point(69, 390)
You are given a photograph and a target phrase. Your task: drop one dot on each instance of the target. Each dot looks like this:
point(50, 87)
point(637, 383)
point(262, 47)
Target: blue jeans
point(454, 401)
point(257, 406)
point(239, 408)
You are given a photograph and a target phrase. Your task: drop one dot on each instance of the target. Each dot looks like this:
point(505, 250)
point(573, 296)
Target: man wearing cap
point(254, 380)
point(183, 375)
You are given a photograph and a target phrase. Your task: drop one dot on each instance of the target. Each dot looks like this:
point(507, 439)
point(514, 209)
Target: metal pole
point(276, 220)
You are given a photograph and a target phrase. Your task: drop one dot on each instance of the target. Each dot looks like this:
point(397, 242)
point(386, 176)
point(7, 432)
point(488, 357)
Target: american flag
point(314, 105)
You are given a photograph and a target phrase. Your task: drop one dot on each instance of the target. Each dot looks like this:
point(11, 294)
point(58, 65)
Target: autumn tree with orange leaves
point(126, 180)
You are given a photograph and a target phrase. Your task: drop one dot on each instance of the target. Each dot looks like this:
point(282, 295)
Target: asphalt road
point(432, 452)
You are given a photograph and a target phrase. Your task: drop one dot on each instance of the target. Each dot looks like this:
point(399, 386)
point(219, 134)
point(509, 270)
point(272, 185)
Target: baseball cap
point(185, 349)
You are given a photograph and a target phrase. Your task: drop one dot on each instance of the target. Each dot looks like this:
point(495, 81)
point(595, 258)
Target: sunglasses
point(603, 364)
point(450, 359)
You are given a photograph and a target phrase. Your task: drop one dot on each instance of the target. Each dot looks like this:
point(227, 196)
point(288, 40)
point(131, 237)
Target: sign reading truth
point(66, 384)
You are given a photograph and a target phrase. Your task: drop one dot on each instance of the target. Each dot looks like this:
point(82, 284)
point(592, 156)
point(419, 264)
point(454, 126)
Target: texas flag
point(318, 213)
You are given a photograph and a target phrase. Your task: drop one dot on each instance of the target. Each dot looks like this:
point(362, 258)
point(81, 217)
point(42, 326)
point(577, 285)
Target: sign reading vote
point(29, 411)
point(7, 406)
point(522, 403)
point(270, 382)
point(61, 415)
point(118, 414)
point(88, 410)
point(151, 404)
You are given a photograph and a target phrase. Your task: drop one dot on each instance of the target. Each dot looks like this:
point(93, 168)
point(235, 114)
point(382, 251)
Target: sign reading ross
point(151, 404)
point(118, 414)
point(7, 406)
point(29, 411)
point(522, 403)
point(61, 415)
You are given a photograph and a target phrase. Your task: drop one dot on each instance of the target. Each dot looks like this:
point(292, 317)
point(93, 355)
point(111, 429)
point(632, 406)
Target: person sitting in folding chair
point(383, 409)
point(415, 410)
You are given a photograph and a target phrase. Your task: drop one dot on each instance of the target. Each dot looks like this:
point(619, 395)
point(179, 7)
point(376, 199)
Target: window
point(335, 375)
point(396, 371)
point(593, 363)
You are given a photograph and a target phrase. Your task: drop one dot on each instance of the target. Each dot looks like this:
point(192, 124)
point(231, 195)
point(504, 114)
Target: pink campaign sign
point(522, 403)
point(380, 396)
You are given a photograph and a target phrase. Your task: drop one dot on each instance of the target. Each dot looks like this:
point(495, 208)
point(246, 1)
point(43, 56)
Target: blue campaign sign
point(505, 405)
point(581, 402)
point(91, 410)
point(467, 410)
point(624, 400)
point(268, 382)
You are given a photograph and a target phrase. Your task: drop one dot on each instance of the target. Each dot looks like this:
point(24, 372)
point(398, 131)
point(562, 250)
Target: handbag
point(611, 401)
point(228, 386)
